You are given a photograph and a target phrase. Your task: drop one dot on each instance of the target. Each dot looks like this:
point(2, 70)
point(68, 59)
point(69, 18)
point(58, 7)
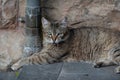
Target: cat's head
point(55, 32)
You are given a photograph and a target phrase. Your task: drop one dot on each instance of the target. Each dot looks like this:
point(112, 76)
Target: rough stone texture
point(84, 71)
point(8, 12)
point(0, 13)
point(67, 71)
point(101, 13)
point(11, 42)
point(8, 76)
point(88, 12)
point(40, 72)
point(61, 71)
point(22, 5)
point(11, 39)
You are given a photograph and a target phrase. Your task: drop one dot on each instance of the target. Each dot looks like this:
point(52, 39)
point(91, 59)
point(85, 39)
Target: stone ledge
point(62, 71)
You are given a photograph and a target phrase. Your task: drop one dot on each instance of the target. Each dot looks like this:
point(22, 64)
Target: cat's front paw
point(117, 70)
point(16, 66)
point(98, 65)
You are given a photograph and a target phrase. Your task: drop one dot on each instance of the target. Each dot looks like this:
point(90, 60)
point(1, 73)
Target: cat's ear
point(64, 22)
point(45, 22)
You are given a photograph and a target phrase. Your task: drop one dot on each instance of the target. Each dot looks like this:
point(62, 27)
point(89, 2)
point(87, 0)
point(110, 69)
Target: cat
point(100, 46)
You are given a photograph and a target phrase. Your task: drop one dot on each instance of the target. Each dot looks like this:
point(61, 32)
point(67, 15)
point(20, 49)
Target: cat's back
point(94, 36)
point(90, 40)
point(95, 31)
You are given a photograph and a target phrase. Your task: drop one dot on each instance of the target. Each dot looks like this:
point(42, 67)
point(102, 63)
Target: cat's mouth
point(56, 43)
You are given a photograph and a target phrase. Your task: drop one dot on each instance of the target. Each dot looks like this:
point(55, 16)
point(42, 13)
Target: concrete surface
point(62, 71)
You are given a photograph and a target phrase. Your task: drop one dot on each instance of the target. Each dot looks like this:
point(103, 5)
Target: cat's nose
point(54, 38)
point(54, 43)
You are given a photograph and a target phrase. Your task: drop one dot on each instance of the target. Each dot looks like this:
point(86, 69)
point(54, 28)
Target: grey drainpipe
point(33, 30)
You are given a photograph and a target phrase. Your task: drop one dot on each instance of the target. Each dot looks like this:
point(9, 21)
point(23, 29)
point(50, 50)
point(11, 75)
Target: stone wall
point(8, 13)
point(11, 35)
point(100, 13)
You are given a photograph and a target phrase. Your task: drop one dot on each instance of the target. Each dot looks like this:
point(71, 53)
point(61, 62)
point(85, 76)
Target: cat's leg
point(117, 60)
point(109, 61)
point(20, 63)
point(104, 63)
point(44, 58)
point(117, 70)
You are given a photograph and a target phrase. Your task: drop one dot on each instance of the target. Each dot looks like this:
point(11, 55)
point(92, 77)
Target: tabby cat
point(100, 46)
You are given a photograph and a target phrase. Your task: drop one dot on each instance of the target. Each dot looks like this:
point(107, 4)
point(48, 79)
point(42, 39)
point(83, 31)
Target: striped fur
point(100, 46)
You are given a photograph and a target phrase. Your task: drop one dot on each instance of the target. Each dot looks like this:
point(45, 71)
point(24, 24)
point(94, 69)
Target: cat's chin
point(55, 44)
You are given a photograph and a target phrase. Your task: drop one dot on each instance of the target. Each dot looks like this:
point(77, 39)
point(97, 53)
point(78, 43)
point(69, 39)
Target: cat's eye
point(61, 34)
point(61, 24)
point(49, 33)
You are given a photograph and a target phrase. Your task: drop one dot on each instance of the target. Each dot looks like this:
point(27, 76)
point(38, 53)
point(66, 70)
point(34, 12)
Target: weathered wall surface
point(8, 14)
point(101, 13)
point(11, 42)
point(11, 35)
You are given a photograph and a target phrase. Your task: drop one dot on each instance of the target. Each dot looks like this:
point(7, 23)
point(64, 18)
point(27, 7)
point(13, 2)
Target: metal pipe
point(33, 30)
